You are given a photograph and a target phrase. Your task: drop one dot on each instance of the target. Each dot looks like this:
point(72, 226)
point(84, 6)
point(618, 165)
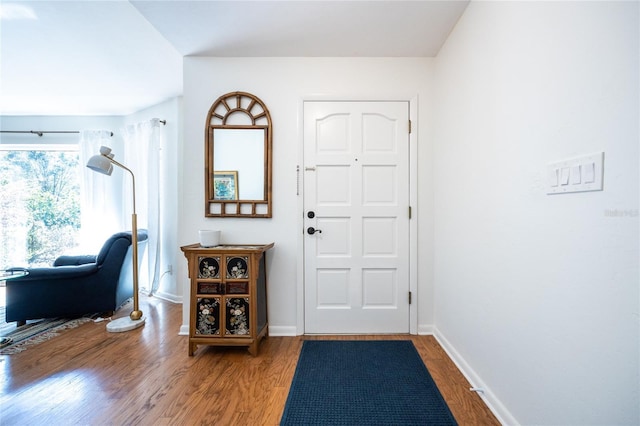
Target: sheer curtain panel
point(142, 143)
point(101, 206)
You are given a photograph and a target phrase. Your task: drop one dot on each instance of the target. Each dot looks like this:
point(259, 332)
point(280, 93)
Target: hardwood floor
point(91, 377)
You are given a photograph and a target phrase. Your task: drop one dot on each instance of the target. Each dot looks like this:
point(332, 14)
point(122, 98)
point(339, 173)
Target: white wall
point(537, 295)
point(282, 84)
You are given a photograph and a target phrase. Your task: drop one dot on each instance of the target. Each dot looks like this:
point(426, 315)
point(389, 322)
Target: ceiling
point(117, 57)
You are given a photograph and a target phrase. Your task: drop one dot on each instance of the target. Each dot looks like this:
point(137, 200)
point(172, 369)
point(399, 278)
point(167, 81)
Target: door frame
point(413, 200)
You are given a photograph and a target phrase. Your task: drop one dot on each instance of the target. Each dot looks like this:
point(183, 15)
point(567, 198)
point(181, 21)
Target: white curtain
point(100, 199)
point(142, 144)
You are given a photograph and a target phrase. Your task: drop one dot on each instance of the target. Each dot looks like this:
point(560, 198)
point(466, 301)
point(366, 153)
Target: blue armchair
point(77, 285)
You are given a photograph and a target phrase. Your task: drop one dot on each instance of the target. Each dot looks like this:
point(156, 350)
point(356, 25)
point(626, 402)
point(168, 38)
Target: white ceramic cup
point(209, 238)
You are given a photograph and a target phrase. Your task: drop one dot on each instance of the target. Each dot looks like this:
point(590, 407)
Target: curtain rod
point(42, 132)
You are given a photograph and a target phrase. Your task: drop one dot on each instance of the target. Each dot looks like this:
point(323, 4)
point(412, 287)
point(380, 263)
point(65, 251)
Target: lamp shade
point(100, 164)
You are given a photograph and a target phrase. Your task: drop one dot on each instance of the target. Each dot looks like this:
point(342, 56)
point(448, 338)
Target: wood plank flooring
point(87, 376)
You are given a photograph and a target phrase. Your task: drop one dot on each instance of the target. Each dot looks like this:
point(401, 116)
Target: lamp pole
point(102, 163)
point(136, 314)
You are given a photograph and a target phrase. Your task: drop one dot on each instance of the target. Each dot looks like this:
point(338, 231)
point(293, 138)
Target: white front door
point(356, 197)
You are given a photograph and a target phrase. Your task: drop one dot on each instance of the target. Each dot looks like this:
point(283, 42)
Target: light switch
point(575, 175)
point(581, 174)
point(589, 172)
point(564, 176)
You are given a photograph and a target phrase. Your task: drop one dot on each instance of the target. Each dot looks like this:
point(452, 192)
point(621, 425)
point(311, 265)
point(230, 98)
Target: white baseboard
point(493, 403)
point(168, 296)
point(184, 330)
point(280, 331)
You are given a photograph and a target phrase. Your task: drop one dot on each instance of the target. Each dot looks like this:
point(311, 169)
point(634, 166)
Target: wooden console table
point(228, 301)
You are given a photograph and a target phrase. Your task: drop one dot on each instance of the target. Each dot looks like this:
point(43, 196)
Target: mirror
point(242, 151)
point(238, 157)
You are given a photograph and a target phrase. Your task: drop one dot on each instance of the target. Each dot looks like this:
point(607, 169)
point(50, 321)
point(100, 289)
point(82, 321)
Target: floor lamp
point(103, 163)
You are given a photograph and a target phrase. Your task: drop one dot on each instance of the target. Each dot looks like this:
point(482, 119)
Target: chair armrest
point(74, 260)
point(58, 273)
point(17, 269)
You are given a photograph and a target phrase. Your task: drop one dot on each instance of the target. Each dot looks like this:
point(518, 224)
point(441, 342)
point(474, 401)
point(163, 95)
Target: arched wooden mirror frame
point(224, 114)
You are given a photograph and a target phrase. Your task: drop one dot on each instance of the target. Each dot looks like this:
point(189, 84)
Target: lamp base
point(125, 324)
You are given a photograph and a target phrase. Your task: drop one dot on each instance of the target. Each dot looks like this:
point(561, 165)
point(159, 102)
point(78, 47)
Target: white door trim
point(413, 200)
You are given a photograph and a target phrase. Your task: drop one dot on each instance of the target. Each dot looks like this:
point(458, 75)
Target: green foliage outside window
point(39, 206)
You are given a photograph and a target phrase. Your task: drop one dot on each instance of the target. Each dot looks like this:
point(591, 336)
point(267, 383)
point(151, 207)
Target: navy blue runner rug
point(340, 382)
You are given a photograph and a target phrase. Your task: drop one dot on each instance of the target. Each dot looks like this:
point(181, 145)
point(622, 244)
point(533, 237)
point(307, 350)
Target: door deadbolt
point(311, 215)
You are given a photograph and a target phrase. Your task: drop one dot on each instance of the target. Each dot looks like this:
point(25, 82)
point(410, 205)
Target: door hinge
point(409, 212)
point(409, 297)
point(409, 126)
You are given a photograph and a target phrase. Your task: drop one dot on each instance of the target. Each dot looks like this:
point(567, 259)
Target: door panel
point(356, 162)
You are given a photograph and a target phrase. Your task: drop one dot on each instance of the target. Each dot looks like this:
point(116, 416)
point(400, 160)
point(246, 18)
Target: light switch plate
point(577, 174)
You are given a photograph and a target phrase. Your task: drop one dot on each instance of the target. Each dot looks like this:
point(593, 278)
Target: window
point(40, 203)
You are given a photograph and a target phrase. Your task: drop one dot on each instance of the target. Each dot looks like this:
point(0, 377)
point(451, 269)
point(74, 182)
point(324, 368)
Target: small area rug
point(384, 382)
point(17, 339)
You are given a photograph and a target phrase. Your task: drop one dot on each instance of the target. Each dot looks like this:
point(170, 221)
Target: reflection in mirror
point(241, 151)
point(238, 157)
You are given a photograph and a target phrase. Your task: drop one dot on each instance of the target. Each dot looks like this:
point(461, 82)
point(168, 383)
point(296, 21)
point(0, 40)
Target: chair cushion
point(59, 273)
point(75, 260)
